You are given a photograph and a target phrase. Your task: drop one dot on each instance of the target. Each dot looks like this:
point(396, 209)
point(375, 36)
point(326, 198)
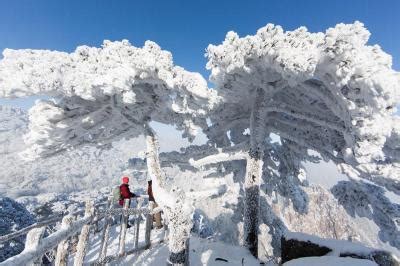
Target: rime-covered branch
point(102, 94)
point(218, 158)
point(237, 152)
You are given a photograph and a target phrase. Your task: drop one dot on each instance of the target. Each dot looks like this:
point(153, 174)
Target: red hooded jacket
point(125, 193)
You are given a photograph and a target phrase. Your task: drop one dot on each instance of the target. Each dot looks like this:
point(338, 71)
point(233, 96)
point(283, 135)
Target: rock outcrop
point(298, 245)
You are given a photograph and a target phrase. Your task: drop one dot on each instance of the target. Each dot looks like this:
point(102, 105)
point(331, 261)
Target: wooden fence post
point(32, 241)
point(124, 223)
point(62, 248)
point(84, 236)
point(137, 225)
point(106, 232)
point(96, 221)
point(149, 223)
point(138, 219)
point(73, 241)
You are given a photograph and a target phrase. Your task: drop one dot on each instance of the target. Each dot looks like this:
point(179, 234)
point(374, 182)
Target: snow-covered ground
point(329, 261)
point(202, 251)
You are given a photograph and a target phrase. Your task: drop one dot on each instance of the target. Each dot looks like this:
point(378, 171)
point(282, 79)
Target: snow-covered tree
point(101, 95)
point(328, 92)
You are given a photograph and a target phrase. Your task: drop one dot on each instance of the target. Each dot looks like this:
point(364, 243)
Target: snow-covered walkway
point(202, 251)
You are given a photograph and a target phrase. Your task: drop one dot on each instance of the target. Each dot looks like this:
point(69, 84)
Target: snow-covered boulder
point(13, 217)
point(298, 245)
point(329, 261)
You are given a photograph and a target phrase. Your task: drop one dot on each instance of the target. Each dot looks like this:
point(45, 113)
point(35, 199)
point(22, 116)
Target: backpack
point(116, 194)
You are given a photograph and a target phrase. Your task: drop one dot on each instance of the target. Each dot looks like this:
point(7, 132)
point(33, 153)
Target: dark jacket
point(125, 193)
point(150, 192)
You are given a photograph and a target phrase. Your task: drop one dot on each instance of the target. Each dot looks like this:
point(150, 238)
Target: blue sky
point(183, 27)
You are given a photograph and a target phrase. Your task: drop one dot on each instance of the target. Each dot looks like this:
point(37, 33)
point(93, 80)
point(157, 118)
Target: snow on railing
point(49, 221)
point(36, 245)
point(25, 230)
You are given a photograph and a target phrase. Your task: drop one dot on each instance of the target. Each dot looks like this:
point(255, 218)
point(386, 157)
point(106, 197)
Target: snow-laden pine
point(328, 92)
point(101, 95)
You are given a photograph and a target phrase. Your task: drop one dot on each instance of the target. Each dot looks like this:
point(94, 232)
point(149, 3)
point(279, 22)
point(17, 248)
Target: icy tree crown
point(330, 92)
point(102, 94)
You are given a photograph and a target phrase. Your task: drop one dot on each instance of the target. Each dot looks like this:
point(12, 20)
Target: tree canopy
point(329, 92)
point(102, 94)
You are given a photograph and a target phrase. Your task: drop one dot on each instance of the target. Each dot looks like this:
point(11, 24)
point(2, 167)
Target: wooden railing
point(72, 227)
point(47, 222)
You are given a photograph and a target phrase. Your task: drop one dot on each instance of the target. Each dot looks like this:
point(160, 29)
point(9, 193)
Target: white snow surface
point(202, 251)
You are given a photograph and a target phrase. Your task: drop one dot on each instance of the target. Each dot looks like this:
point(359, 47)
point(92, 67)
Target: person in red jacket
point(125, 191)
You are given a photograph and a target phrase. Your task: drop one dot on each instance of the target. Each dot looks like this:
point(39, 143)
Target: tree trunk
point(173, 204)
point(254, 174)
point(179, 232)
point(138, 219)
point(149, 223)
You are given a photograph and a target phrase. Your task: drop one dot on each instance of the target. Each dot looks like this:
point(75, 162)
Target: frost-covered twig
point(218, 158)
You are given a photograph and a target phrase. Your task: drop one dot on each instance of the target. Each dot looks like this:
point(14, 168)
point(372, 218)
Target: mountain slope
point(75, 170)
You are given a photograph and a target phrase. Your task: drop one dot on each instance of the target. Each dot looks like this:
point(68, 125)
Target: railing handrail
point(25, 230)
point(54, 219)
point(47, 243)
point(35, 250)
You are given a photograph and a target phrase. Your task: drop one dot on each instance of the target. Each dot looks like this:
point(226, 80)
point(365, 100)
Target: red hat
point(125, 180)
